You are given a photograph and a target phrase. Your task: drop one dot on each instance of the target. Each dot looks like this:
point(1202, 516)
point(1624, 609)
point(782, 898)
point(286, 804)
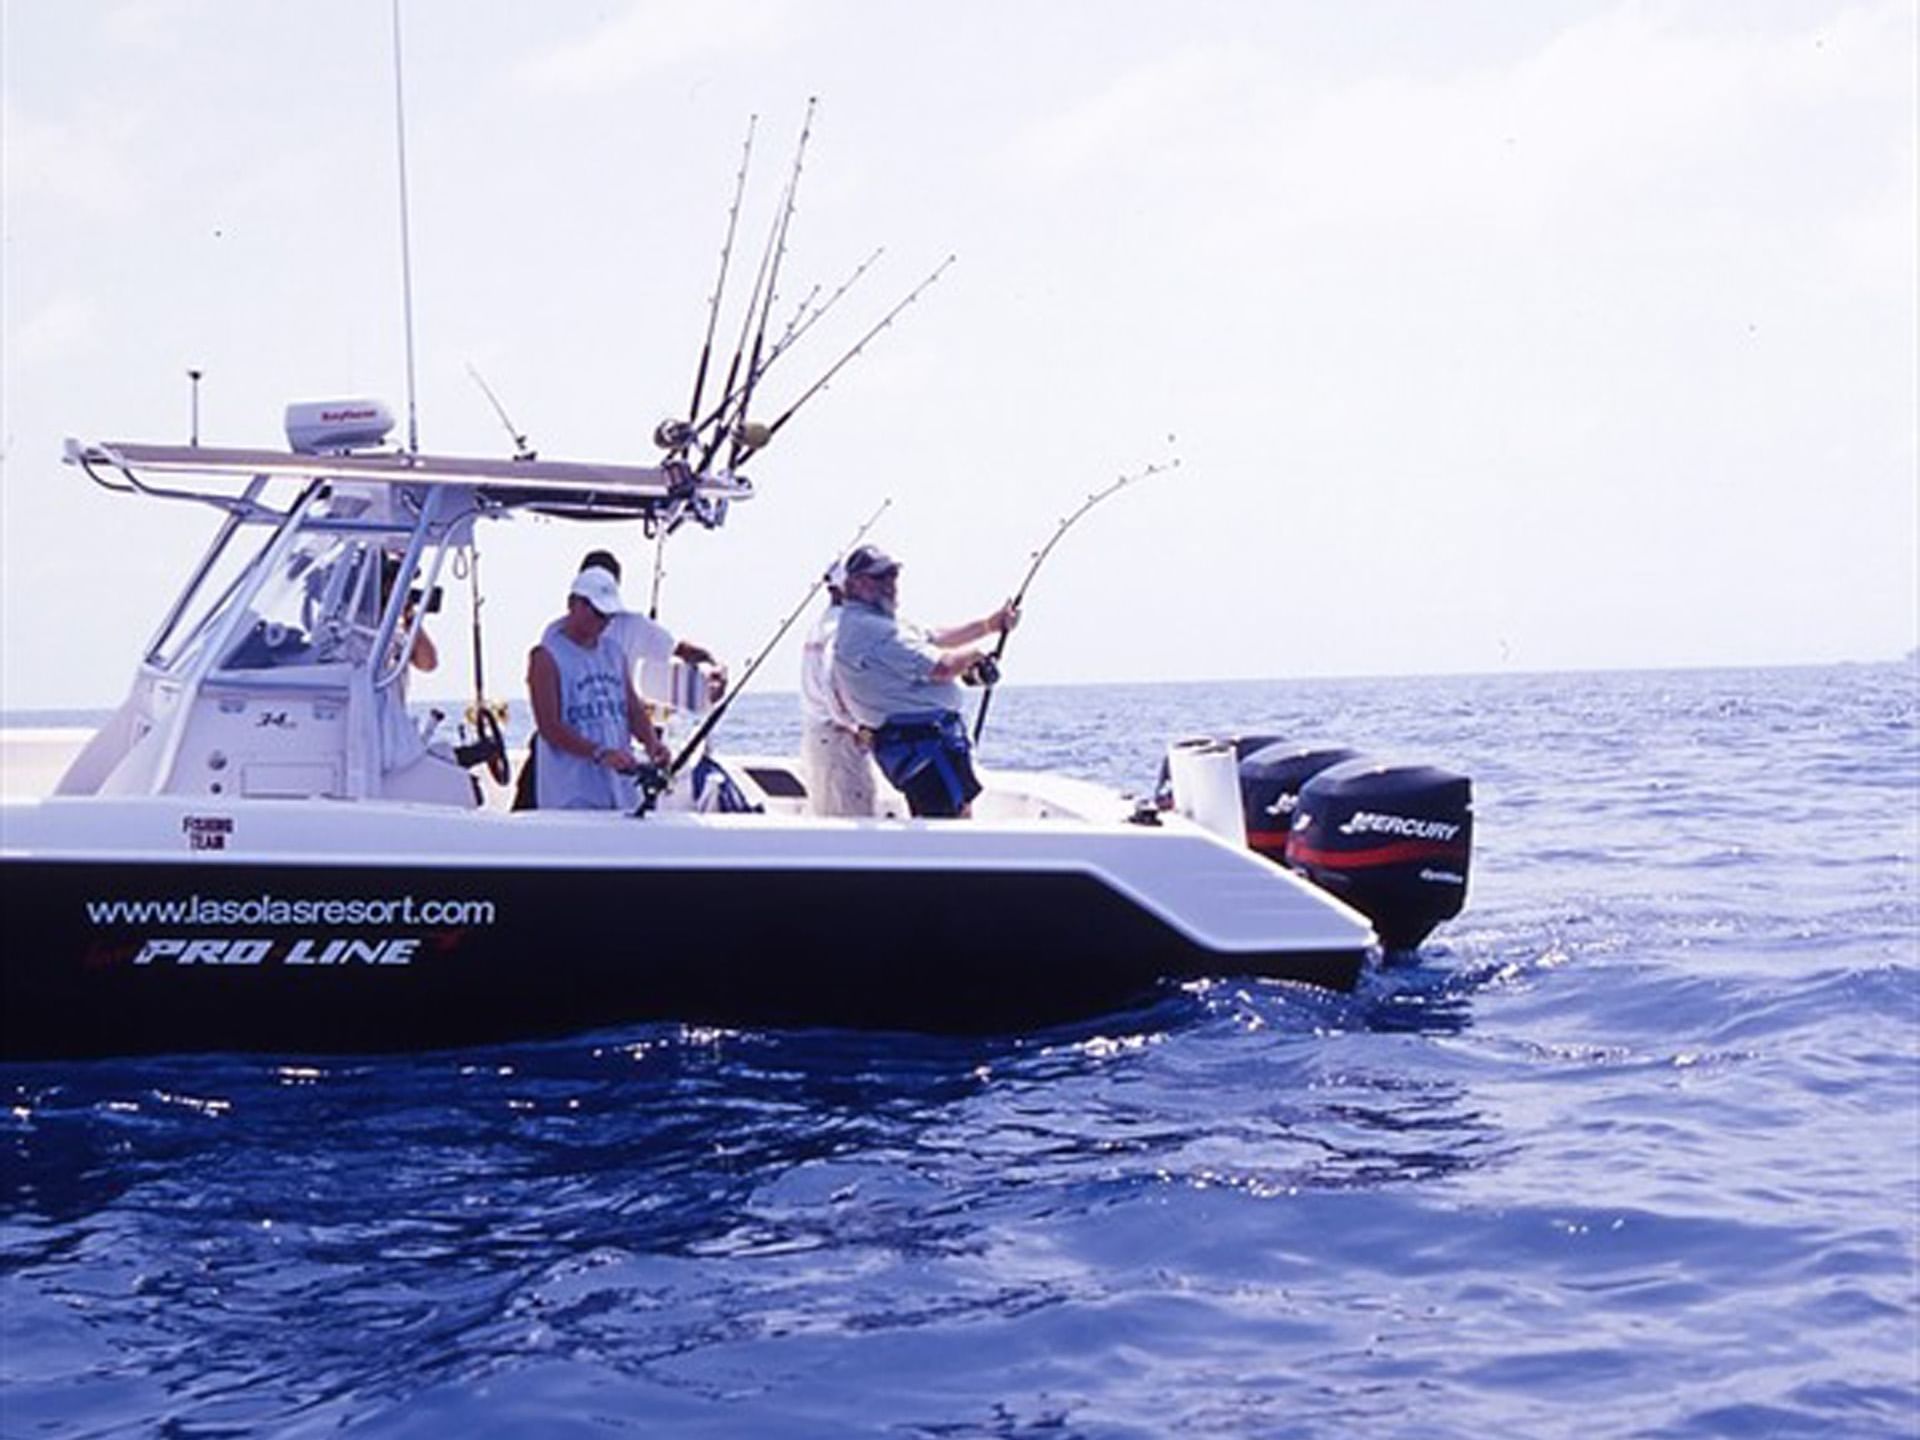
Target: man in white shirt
point(643, 638)
point(833, 754)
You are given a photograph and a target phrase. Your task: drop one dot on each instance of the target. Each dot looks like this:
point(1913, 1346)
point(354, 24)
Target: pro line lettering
point(304, 951)
point(352, 952)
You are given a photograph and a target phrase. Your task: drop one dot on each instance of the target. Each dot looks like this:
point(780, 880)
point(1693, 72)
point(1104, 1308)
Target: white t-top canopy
point(555, 480)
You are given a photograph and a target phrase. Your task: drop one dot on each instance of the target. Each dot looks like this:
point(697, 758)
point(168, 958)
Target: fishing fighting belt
point(926, 757)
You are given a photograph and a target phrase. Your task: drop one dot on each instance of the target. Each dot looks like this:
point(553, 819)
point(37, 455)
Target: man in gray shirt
point(901, 681)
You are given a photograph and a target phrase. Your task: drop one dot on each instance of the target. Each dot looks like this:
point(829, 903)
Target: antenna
point(406, 240)
point(194, 436)
point(521, 449)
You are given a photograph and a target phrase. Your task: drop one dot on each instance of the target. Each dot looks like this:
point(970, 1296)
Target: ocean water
point(1631, 1149)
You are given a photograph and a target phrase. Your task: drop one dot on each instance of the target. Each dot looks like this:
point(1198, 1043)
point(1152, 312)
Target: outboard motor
point(1391, 840)
point(1270, 781)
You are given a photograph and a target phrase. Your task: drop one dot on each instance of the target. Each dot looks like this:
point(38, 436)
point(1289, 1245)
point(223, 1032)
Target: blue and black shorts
point(927, 758)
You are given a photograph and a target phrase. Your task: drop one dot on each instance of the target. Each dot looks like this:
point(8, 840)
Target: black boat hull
point(119, 958)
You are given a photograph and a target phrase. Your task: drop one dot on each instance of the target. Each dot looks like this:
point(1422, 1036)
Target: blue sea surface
point(1631, 1149)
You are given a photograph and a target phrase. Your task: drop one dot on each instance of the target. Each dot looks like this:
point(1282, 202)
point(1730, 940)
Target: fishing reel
point(653, 781)
point(489, 749)
point(673, 434)
point(984, 671)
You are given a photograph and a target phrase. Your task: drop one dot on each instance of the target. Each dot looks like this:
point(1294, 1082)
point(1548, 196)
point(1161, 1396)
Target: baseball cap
point(870, 560)
point(601, 560)
point(598, 589)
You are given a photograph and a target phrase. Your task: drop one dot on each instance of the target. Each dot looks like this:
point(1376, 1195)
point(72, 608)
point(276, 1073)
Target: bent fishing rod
point(992, 670)
point(654, 784)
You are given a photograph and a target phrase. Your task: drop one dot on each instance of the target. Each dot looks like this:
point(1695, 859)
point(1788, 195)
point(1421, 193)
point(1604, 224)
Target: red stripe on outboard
point(1394, 854)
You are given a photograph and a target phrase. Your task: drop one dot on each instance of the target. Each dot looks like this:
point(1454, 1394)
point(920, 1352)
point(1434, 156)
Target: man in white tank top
point(642, 640)
point(585, 708)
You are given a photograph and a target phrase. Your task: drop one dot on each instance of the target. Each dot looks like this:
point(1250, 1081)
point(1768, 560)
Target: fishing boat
point(243, 857)
point(261, 851)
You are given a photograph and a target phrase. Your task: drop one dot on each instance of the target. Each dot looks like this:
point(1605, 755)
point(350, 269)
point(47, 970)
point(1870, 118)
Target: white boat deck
point(1219, 894)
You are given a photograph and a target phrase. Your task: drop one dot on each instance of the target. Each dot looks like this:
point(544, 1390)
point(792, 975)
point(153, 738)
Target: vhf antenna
point(406, 241)
point(521, 449)
point(193, 438)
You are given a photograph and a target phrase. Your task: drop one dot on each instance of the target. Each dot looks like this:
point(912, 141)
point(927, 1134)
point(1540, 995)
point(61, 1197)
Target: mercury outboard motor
point(1270, 780)
point(1391, 840)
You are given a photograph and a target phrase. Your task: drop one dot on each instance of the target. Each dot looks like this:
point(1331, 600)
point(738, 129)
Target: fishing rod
point(858, 346)
point(653, 785)
point(672, 435)
point(761, 286)
point(521, 449)
point(793, 325)
point(802, 325)
point(794, 332)
point(659, 571)
point(720, 283)
point(773, 281)
point(678, 434)
point(733, 366)
point(486, 725)
point(1040, 558)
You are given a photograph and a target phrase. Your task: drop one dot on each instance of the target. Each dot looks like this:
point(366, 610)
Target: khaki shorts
point(837, 770)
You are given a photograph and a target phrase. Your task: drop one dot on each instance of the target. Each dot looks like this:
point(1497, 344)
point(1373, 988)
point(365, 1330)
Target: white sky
point(1493, 335)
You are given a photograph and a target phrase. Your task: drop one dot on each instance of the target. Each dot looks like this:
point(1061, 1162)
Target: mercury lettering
point(1368, 822)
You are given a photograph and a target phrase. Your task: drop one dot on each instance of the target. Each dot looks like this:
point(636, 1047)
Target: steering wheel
point(487, 727)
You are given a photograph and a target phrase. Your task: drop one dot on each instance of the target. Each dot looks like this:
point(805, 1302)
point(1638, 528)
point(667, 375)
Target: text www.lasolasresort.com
point(273, 910)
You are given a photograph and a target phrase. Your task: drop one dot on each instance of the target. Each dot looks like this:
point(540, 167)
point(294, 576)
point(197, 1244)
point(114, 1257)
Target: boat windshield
point(207, 597)
point(321, 603)
point(320, 607)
